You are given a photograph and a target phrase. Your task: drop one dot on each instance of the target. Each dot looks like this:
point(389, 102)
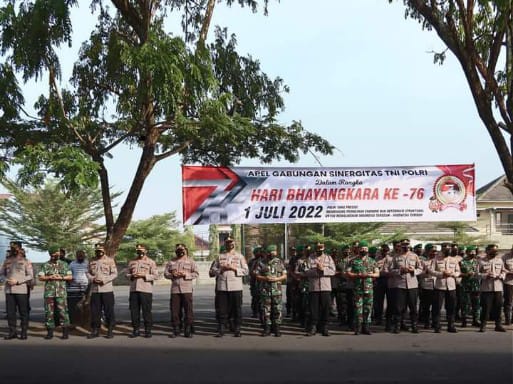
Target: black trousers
point(105, 301)
point(350, 305)
point(181, 303)
point(141, 301)
point(508, 300)
point(380, 291)
point(19, 302)
point(404, 299)
point(450, 306)
point(230, 306)
point(426, 297)
point(491, 305)
point(320, 304)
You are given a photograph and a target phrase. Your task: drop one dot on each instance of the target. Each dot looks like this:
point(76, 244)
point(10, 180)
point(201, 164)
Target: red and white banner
point(240, 195)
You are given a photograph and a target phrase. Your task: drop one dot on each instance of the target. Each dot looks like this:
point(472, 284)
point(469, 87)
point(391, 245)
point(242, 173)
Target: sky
point(360, 75)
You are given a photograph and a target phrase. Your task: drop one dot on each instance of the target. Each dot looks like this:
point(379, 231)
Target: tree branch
point(172, 152)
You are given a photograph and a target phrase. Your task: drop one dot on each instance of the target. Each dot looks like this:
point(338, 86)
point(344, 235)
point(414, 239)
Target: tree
point(480, 35)
point(135, 83)
point(159, 234)
point(46, 215)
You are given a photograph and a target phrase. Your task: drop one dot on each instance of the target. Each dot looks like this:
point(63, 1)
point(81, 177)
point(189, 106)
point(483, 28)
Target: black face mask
point(180, 253)
point(140, 253)
point(404, 248)
point(318, 253)
point(363, 253)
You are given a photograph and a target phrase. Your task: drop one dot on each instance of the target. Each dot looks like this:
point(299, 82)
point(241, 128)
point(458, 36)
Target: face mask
point(318, 253)
point(363, 253)
point(140, 253)
point(180, 253)
point(405, 249)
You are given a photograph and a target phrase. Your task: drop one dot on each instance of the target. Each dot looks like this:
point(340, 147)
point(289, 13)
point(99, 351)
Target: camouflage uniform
point(363, 289)
point(55, 297)
point(471, 291)
point(270, 292)
point(253, 283)
point(342, 286)
point(303, 302)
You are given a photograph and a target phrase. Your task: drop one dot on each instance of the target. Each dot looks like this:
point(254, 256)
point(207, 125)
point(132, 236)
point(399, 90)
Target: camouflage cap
point(417, 246)
point(429, 246)
point(363, 243)
point(373, 249)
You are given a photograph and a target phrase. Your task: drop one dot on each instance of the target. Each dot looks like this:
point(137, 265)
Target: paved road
point(467, 356)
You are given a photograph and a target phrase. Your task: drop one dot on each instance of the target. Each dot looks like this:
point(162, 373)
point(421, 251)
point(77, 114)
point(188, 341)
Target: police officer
point(492, 273)
point(18, 273)
point(446, 269)
point(270, 273)
point(508, 286)
point(181, 270)
point(101, 272)
point(55, 273)
point(320, 268)
point(229, 268)
point(142, 272)
point(427, 285)
point(403, 270)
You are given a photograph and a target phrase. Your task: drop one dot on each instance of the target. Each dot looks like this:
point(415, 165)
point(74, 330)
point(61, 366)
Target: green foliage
point(47, 215)
point(159, 234)
point(480, 36)
point(135, 83)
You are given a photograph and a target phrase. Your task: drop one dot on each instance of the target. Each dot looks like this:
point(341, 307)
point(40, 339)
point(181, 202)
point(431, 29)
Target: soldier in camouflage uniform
point(293, 282)
point(341, 284)
point(54, 274)
point(303, 302)
point(270, 272)
point(253, 283)
point(471, 287)
point(363, 270)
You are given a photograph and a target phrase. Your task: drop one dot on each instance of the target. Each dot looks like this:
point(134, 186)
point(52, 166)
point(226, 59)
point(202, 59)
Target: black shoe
point(311, 332)
point(147, 333)
point(49, 334)
point(23, 334)
point(396, 330)
point(266, 331)
point(95, 332)
point(220, 331)
point(174, 333)
point(237, 333)
point(366, 330)
point(325, 332)
point(414, 329)
point(452, 329)
point(65, 333)
point(135, 333)
point(438, 330)
point(110, 333)
point(499, 328)
point(277, 331)
point(187, 332)
point(11, 335)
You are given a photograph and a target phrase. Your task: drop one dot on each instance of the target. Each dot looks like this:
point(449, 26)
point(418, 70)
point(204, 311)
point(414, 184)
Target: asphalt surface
point(465, 357)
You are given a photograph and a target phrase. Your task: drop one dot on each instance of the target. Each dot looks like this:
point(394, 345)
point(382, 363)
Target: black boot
point(464, 322)
point(174, 333)
point(220, 330)
point(187, 332)
point(49, 334)
point(147, 333)
point(482, 327)
point(110, 333)
point(11, 335)
point(451, 328)
point(277, 331)
point(366, 330)
point(311, 331)
point(65, 333)
point(266, 331)
point(388, 325)
point(135, 333)
point(236, 332)
point(507, 318)
point(23, 334)
point(414, 328)
point(357, 328)
point(95, 332)
point(499, 327)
